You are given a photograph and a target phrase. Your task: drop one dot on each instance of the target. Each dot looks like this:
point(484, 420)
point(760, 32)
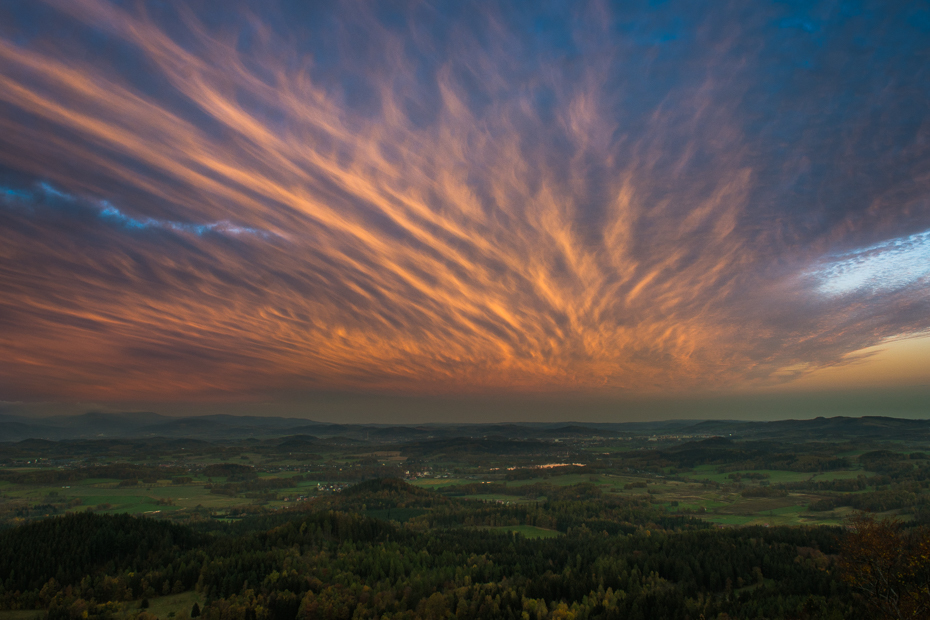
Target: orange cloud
point(456, 255)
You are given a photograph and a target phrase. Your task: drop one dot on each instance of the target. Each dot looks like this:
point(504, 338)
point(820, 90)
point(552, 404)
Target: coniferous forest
point(338, 564)
point(331, 564)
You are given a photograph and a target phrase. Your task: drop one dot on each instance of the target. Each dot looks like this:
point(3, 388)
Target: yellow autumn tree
point(888, 565)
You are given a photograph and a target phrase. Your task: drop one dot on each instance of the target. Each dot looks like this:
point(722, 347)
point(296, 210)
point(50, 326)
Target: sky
point(214, 206)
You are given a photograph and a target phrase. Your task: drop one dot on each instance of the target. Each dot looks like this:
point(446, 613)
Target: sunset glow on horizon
point(208, 202)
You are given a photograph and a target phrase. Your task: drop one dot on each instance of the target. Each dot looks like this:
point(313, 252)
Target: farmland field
point(529, 531)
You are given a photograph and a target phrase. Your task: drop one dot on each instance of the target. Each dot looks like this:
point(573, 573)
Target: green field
point(529, 531)
point(731, 519)
point(776, 476)
point(639, 472)
point(722, 504)
point(438, 483)
point(21, 614)
point(162, 606)
point(173, 606)
point(506, 499)
point(396, 514)
point(107, 497)
point(557, 480)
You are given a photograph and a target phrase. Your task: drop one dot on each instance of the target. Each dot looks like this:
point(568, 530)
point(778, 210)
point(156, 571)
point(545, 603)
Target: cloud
point(889, 266)
point(478, 198)
point(109, 213)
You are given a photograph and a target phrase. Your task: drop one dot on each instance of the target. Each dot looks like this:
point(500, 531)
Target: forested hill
point(604, 559)
point(69, 548)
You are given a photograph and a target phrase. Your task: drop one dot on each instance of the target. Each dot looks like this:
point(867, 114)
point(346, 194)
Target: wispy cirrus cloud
point(897, 264)
point(469, 198)
point(110, 213)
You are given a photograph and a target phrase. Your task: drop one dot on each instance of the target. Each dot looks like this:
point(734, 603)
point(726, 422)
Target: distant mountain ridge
point(100, 425)
point(97, 425)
